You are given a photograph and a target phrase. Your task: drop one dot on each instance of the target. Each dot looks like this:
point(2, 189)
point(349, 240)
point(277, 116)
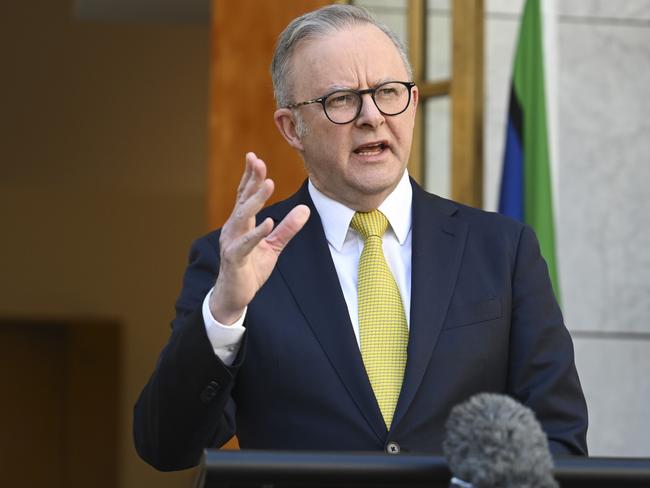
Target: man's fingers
point(246, 176)
point(247, 242)
point(288, 228)
point(256, 178)
point(246, 210)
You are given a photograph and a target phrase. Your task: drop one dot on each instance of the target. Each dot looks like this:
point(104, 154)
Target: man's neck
point(361, 203)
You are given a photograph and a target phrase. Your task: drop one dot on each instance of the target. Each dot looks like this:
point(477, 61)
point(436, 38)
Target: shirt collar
point(336, 217)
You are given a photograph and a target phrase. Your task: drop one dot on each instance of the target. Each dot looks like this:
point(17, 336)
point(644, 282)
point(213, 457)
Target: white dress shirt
point(345, 246)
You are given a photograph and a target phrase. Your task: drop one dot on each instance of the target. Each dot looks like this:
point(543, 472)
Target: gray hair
point(318, 24)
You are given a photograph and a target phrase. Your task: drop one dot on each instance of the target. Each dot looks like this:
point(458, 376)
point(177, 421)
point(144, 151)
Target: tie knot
point(369, 224)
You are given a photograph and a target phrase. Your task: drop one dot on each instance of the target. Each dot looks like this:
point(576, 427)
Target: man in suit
point(272, 339)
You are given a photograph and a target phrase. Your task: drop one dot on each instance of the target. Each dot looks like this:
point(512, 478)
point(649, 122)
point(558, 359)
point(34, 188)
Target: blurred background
point(123, 129)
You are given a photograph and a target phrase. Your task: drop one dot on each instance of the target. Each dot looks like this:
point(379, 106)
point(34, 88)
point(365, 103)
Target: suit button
point(209, 392)
point(392, 447)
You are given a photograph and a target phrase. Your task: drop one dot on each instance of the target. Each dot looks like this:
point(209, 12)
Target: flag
point(526, 183)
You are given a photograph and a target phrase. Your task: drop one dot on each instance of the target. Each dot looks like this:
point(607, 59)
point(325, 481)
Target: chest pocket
point(473, 313)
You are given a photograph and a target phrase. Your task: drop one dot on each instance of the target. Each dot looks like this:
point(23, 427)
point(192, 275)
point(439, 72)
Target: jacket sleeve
point(186, 405)
point(542, 372)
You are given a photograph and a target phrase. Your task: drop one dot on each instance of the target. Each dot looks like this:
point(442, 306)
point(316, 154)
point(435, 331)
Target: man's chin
point(377, 182)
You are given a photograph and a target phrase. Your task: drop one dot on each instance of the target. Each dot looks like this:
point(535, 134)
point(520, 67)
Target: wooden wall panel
point(467, 103)
point(244, 33)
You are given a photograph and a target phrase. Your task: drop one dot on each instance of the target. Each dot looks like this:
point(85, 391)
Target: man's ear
point(415, 96)
point(286, 124)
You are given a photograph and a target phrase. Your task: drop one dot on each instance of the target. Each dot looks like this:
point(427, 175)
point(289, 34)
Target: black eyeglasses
point(344, 106)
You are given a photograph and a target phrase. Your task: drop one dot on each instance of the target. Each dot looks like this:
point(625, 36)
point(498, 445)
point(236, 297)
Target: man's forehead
point(340, 37)
point(338, 59)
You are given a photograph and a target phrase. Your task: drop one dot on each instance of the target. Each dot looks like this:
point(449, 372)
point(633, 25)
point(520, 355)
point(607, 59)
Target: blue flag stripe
point(511, 197)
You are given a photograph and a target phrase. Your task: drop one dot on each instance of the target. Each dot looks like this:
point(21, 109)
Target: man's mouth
point(371, 149)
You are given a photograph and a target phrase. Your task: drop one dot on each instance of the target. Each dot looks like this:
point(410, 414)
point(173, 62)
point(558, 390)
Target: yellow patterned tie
point(382, 322)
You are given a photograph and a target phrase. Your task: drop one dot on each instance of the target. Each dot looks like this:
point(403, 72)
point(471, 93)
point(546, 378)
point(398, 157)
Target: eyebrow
point(333, 88)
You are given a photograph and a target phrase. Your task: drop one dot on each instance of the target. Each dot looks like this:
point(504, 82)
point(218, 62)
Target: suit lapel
point(437, 247)
point(307, 268)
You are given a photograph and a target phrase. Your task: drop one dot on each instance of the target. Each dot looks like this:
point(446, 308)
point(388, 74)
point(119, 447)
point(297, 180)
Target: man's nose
point(370, 114)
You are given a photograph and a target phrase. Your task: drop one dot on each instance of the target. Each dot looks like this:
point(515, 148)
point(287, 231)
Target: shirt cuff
point(225, 339)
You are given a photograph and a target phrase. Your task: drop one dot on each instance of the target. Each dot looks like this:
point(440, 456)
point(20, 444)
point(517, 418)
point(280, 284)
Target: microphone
point(494, 441)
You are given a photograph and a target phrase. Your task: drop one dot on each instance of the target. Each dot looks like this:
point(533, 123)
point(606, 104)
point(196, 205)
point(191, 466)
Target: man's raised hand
point(248, 252)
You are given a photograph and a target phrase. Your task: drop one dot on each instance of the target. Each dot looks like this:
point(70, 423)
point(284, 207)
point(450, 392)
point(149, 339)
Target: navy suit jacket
point(483, 318)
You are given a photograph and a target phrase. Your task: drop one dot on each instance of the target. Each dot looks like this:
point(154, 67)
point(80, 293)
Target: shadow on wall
point(103, 144)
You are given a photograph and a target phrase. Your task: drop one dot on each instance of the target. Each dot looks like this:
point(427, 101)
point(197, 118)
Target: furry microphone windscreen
point(493, 441)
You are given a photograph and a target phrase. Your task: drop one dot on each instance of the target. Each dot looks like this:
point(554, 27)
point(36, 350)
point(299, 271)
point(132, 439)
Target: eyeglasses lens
point(390, 98)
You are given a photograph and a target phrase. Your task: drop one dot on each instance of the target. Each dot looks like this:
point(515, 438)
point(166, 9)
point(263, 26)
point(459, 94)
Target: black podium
point(308, 469)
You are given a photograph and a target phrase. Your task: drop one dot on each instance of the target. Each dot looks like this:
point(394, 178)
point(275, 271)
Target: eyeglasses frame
point(408, 84)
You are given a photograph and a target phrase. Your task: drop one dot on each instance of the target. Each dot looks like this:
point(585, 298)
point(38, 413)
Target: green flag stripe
point(528, 81)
